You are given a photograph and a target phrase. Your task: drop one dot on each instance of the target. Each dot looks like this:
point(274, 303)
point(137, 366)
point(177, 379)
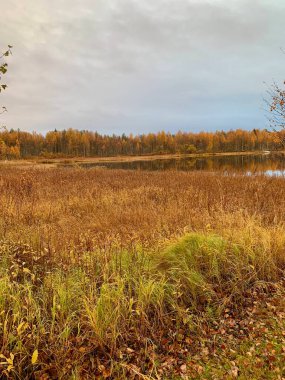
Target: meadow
point(113, 274)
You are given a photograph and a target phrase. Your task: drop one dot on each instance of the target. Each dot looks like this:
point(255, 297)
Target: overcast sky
point(137, 66)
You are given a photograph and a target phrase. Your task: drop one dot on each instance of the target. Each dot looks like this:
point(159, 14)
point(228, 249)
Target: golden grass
point(58, 208)
point(97, 264)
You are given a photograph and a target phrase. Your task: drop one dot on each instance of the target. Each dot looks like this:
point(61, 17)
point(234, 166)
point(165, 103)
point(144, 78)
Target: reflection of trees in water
point(253, 164)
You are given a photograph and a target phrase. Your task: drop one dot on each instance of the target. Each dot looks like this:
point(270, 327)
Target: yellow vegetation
point(98, 264)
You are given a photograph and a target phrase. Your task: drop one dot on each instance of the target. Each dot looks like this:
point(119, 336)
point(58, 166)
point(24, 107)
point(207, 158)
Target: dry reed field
point(112, 274)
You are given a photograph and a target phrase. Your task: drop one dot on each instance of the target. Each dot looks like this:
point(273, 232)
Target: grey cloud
point(133, 66)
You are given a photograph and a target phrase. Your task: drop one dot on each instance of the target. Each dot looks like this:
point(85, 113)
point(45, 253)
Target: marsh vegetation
point(145, 275)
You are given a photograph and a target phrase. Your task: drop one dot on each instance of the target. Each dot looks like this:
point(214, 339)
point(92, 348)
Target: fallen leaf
point(35, 357)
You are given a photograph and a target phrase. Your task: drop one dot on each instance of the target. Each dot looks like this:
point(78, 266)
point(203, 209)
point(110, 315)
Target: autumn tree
point(3, 71)
point(276, 104)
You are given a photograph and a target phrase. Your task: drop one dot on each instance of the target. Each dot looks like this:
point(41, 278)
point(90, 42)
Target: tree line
point(72, 142)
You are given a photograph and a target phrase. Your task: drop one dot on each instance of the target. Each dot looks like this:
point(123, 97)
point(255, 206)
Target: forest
point(15, 144)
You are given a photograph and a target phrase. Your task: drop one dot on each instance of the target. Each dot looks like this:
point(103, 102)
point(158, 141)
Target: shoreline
point(38, 161)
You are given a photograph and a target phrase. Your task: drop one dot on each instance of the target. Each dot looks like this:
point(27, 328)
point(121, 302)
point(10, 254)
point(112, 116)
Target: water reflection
point(273, 164)
point(275, 173)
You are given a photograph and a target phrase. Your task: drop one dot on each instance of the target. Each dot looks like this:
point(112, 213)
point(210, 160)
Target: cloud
point(138, 66)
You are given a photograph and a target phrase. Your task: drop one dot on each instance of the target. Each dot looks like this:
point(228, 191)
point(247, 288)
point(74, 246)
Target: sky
point(139, 66)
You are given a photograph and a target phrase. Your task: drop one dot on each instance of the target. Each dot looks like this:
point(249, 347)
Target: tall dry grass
point(96, 264)
point(59, 208)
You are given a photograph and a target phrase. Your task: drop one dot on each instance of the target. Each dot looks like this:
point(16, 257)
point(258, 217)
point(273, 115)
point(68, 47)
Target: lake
point(269, 164)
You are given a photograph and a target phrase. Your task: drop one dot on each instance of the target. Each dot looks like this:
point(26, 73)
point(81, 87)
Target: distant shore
point(39, 161)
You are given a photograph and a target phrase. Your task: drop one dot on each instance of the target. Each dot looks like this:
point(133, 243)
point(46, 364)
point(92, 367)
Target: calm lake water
point(269, 164)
